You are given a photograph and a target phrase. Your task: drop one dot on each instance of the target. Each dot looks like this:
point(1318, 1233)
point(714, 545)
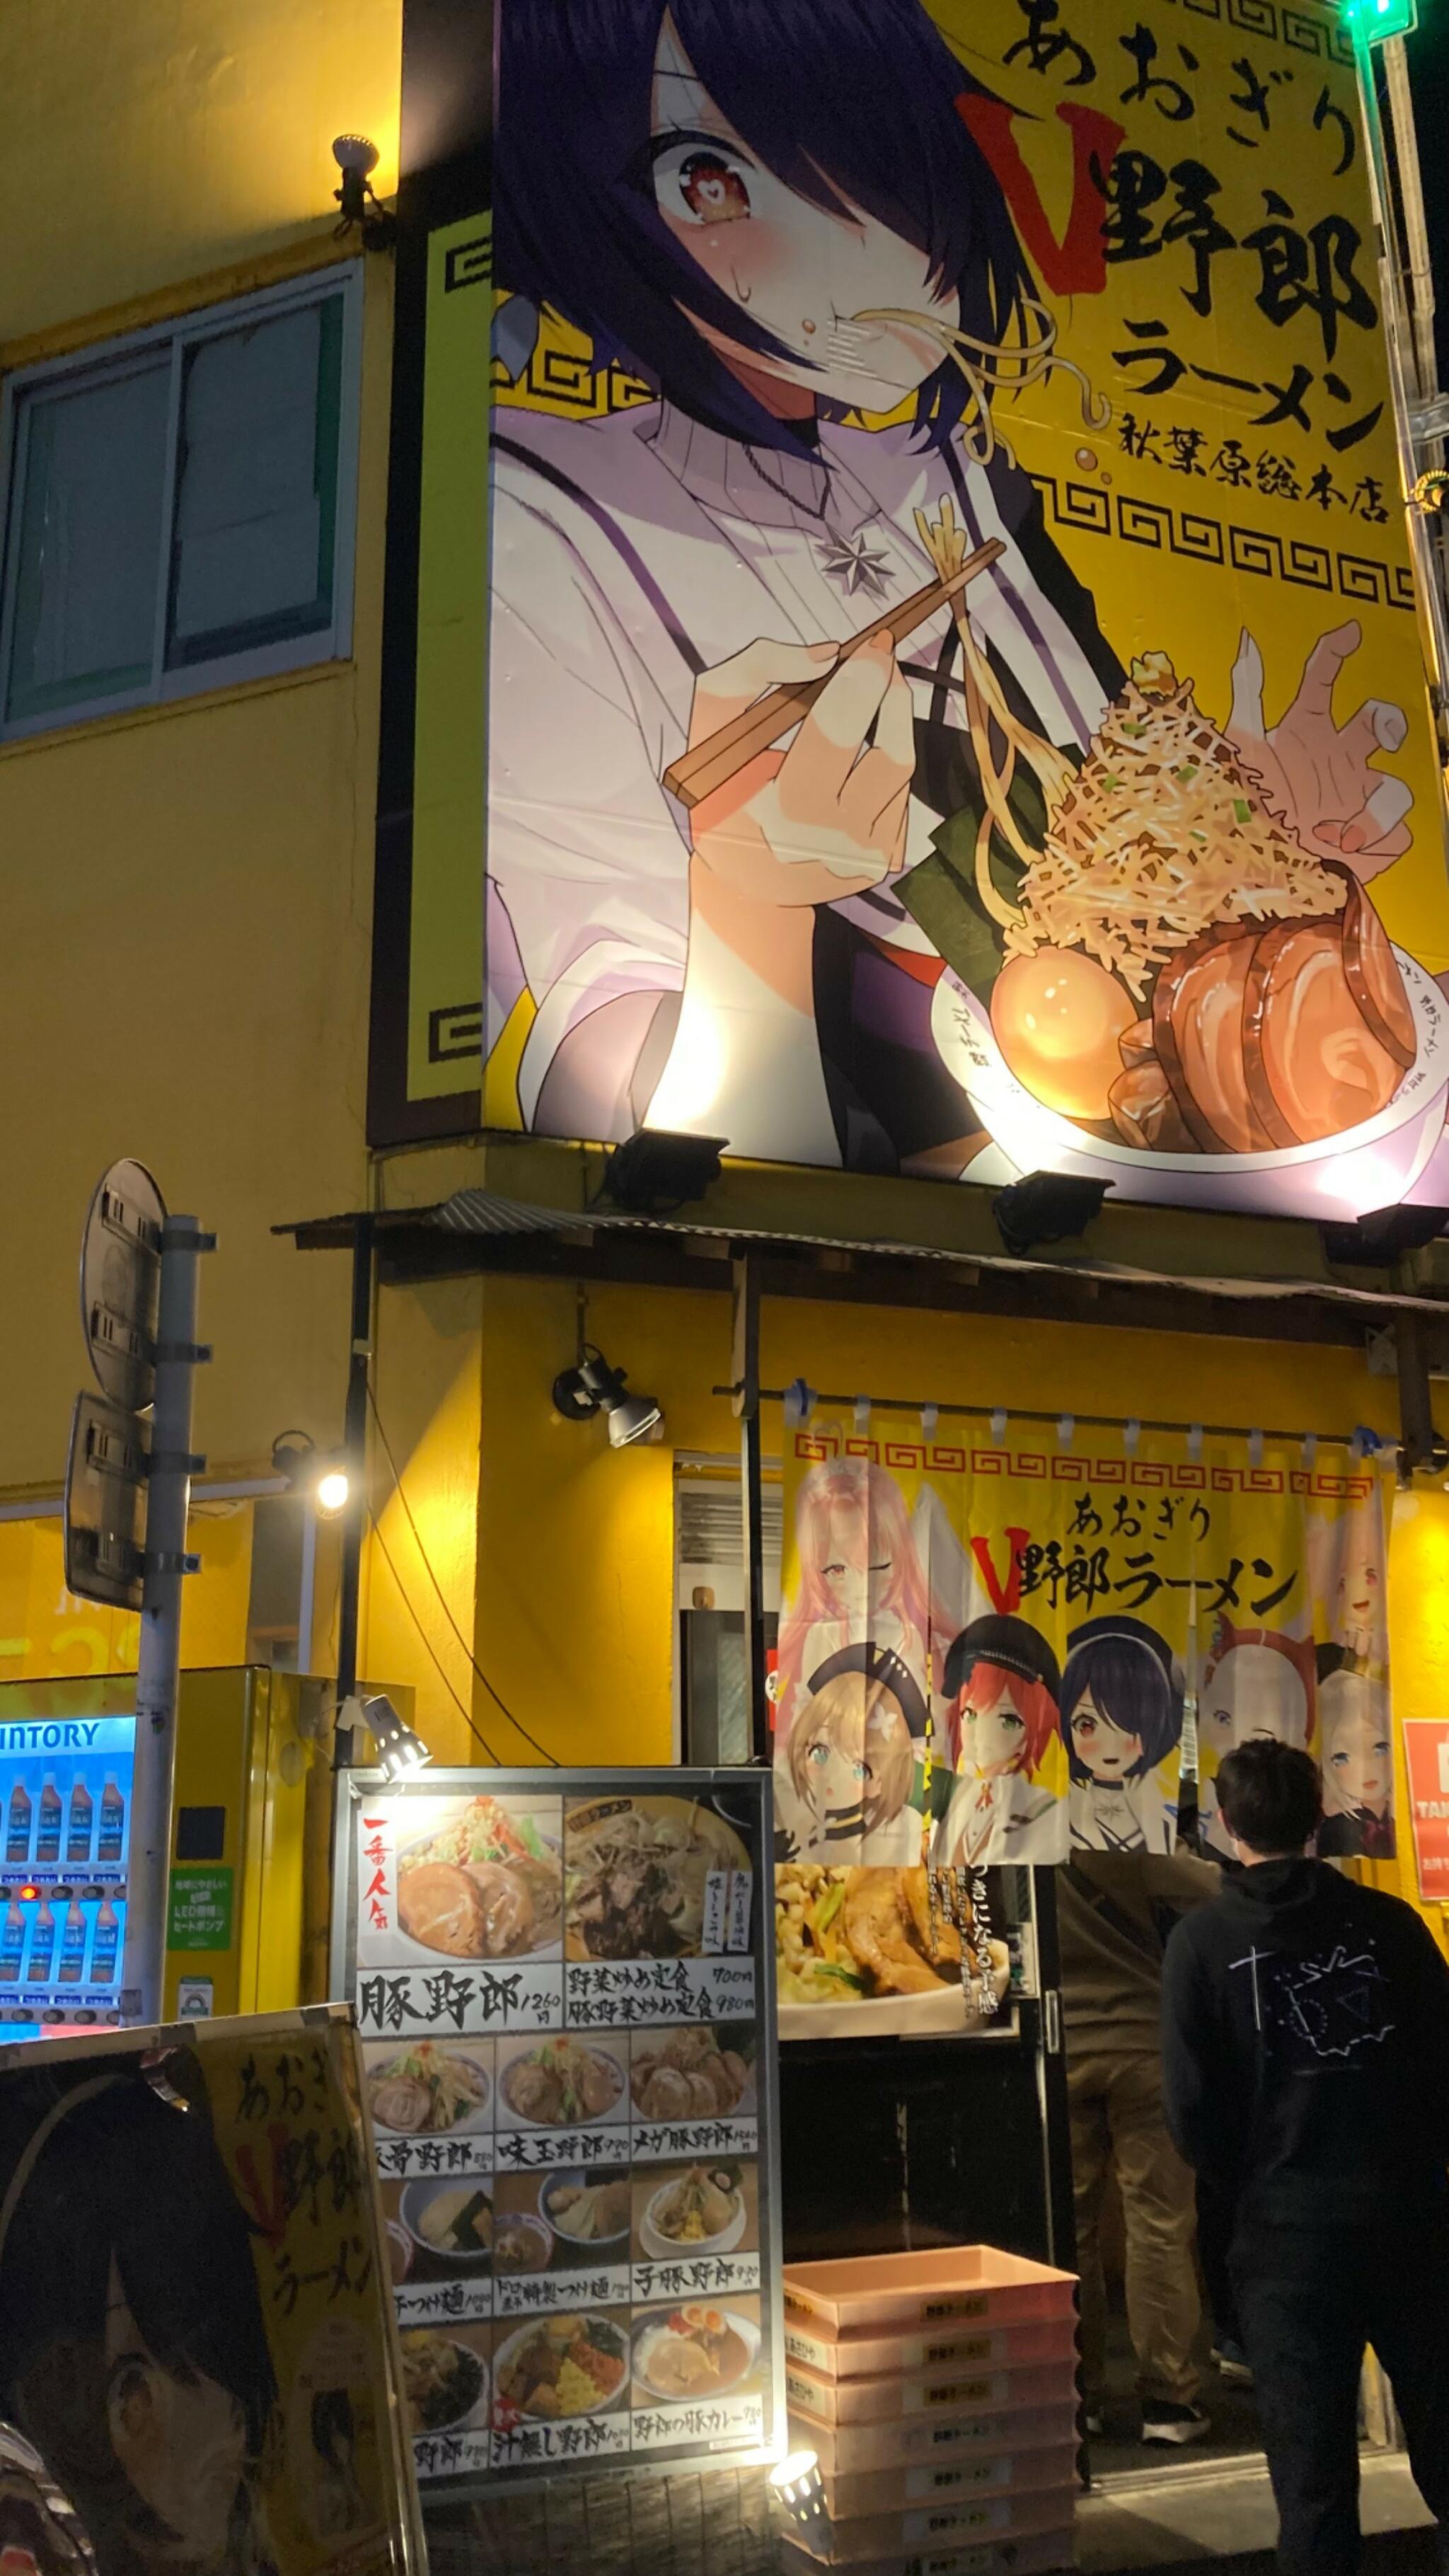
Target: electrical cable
point(474, 1730)
point(515, 1722)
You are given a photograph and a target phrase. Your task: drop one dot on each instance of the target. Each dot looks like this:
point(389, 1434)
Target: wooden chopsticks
point(696, 774)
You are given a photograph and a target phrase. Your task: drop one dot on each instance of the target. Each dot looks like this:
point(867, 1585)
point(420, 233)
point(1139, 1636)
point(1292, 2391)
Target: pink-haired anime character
point(861, 1578)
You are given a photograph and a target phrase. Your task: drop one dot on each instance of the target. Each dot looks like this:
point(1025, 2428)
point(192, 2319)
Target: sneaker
point(1163, 2422)
point(1234, 2367)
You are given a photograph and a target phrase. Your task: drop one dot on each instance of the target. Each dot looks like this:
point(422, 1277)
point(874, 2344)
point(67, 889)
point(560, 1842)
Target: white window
point(179, 507)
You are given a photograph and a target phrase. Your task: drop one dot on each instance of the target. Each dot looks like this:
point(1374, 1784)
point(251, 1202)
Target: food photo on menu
point(638, 1873)
point(482, 1878)
point(703, 2072)
point(447, 2379)
point(558, 2082)
point(440, 2238)
point(430, 2089)
point(687, 2211)
point(566, 2219)
point(697, 2351)
point(552, 2369)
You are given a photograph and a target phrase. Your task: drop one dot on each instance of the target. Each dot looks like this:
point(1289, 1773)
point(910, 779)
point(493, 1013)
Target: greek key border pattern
point(1275, 25)
point(1163, 530)
point(1065, 1467)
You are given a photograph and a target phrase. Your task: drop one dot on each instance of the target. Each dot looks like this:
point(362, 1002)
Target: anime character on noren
point(1121, 1715)
point(1257, 1682)
point(776, 214)
point(1001, 1683)
point(1356, 1758)
point(133, 2350)
point(850, 1760)
point(861, 1578)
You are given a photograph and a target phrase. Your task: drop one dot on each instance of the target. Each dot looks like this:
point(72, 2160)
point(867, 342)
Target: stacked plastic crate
point(938, 2394)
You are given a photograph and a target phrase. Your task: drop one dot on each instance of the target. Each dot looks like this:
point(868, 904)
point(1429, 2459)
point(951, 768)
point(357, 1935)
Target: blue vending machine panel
point(65, 1838)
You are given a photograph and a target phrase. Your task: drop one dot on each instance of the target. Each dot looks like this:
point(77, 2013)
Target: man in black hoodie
point(1306, 2074)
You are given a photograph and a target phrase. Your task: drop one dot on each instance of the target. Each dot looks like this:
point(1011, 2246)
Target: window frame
point(101, 359)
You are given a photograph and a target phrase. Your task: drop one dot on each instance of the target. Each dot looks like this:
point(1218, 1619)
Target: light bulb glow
point(332, 1491)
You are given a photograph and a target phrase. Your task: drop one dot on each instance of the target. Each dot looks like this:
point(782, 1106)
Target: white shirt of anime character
point(1132, 1815)
point(994, 1818)
point(625, 550)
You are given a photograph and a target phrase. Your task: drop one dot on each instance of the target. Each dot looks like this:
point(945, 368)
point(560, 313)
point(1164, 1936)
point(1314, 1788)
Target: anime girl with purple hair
point(774, 212)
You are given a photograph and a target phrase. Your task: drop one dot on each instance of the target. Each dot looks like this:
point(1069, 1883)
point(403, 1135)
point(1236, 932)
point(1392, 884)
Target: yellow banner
point(1008, 1645)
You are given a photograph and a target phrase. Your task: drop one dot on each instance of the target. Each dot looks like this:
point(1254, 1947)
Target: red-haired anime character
point(861, 1578)
point(1002, 1683)
point(1257, 1682)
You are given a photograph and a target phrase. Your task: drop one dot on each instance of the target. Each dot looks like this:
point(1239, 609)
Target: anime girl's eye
point(700, 180)
point(819, 1754)
point(1085, 1729)
point(1339, 1761)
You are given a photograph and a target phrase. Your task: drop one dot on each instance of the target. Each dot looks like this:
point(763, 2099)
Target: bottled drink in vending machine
point(42, 1946)
point(105, 1946)
point(113, 1821)
point(12, 1943)
point(73, 1945)
point(17, 1831)
point(82, 1820)
point(47, 1831)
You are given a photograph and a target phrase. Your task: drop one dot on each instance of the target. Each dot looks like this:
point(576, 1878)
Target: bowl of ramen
point(555, 2368)
point(426, 2091)
point(588, 2209)
point(684, 2356)
point(698, 2212)
point(522, 2243)
point(562, 2083)
point(444, 2382)
point(484, 1884)
point(451, 2221)
point(1185, 987)
point(693, 2074)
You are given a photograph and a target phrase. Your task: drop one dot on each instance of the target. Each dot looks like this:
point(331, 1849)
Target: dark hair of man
point(1270, 1796)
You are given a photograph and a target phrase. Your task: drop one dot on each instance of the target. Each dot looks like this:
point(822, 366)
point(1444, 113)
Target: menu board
point(65, 1835)
point(562, 1990)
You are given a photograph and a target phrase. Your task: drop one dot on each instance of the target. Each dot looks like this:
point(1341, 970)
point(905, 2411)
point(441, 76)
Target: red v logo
point(1005, 1596)
point(1077, 264)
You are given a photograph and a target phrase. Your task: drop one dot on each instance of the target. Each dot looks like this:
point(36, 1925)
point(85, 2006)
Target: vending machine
point(246, 1741)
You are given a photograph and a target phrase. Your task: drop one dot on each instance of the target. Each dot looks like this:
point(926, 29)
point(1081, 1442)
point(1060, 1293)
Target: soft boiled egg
point(1059, 1018)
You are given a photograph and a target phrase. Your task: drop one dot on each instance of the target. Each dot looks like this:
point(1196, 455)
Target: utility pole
point(158, 1663)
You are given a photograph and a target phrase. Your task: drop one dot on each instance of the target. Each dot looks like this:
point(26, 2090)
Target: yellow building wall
point(184, 970)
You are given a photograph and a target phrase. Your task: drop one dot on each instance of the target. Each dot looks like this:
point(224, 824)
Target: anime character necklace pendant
point(854, 563)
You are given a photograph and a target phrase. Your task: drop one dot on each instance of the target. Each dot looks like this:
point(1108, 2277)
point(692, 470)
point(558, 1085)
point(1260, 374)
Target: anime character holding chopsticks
point(779, 219)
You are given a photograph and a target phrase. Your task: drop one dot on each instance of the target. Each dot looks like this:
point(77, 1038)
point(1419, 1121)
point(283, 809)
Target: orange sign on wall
point(1426, 1752)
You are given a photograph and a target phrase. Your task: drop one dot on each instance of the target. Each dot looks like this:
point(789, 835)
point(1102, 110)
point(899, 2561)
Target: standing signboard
point(195, 2335)
point(561, 1985)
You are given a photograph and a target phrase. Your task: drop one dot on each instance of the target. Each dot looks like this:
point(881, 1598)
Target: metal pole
point(745, 1398)
point(354, 1522)
point(158, 1663)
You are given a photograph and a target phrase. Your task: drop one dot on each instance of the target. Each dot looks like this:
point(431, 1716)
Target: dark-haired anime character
point(776, 214)
point(1121, 1715)
point(133, 2352)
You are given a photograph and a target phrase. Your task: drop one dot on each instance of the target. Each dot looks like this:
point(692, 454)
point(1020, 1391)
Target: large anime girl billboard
point(1122, 852)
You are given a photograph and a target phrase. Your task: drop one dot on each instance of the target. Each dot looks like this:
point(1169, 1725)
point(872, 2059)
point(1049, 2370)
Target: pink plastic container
point(892, 2293)
point(852, 2450)
point(1027, 2557)
point(820, 2346)
point(942, 2392)
point(970, 2475)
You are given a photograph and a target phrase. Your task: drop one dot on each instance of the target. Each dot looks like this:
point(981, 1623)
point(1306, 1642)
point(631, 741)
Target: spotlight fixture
point(593, 1387)
point(400, 1752)
point(1047, 1207)
point(799, 2490)
point(1375, 1240)
point(357, 159)
point(654, 1171)
point(294, 1455)
point(324, 1476)
point(333, 1490)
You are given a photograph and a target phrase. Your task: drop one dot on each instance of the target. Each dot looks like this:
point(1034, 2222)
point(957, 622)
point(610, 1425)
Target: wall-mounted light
point(593, 1387)
point(400, 1752)
point(1047, 1207)
point(356, 157)
point(322, 1474)
point(655, 1171)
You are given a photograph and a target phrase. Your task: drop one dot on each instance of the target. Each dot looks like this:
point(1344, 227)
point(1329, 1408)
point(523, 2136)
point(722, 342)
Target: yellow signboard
point(1048, 334)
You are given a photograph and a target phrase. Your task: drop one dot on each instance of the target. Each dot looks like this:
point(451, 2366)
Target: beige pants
point(1116, 2112)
